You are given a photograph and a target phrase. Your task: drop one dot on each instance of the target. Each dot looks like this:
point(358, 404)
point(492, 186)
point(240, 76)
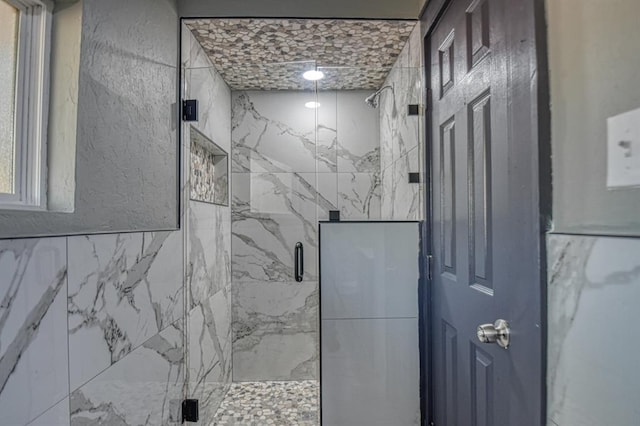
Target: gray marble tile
point(209, 353)
point(327, 133)
point(359, 196)
point(327, 197)
point(407, 136)
point(33, 342)
point(275, 331)
point(58, 415)
point(208, 251)
point(405, 198)
point(358, 133)
point(592, 372)
point(388, 112)
point(386, 194)
point(270, 213)
point(273, 132)
point(401, 135)
point(143, 388)
point(123, 289)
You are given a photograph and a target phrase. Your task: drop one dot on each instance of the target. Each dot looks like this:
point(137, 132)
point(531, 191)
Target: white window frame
point(31, 106)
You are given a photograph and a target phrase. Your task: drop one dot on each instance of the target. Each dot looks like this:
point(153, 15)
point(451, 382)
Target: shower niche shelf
point(209, 170)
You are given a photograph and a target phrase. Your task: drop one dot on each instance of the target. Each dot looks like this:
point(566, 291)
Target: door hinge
point(429, 267)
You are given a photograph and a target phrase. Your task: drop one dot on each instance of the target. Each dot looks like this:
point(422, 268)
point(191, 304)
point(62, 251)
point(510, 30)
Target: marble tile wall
point(275, 331)
point(207, 243)
point(291, 165)
point(402, 136)
point(34, 356)
point(91, 329)
point(122, 290)
point(144, 388)
point(593, 337)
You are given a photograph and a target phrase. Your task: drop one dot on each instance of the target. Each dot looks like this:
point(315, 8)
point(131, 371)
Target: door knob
point(497, 332)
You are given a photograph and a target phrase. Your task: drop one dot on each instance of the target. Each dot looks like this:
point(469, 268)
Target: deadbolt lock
point(497, 332)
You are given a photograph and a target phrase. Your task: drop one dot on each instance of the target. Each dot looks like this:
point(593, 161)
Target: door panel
point(482, 258)
point(479, 177)
point(481, 387)
point(448, 193)
point(450, 383)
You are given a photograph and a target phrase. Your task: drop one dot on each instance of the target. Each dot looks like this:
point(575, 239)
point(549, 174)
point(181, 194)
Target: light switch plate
point(623, 152)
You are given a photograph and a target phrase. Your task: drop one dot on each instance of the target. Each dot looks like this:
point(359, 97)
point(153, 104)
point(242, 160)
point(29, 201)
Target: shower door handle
point(299, 261)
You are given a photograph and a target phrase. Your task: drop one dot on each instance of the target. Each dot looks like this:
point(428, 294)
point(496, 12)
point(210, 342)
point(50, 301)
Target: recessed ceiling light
point(312, 105)
point(313, 75)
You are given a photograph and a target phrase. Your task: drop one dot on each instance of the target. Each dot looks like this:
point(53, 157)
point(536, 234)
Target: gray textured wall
point(382, 9)
point(592, 281)
point(594, 60)
point(126, 156)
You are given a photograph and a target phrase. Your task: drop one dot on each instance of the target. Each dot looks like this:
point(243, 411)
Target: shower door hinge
point(190, 110)
point(190, 410)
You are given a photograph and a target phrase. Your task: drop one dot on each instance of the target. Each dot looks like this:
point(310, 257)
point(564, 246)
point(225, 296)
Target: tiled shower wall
point(286, 177)
point(402, 135)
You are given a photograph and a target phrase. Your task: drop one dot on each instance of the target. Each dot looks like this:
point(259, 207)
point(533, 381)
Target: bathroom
point(171, 183)
point(217, 310)
point(309, 130)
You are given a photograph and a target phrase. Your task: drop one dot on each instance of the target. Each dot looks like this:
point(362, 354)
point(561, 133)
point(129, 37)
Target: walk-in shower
point(298, 149)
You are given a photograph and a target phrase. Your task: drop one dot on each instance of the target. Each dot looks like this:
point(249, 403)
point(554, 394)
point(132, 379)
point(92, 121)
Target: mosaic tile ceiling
point(271, 54)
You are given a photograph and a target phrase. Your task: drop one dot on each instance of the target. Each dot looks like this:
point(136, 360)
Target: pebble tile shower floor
point(269, 403)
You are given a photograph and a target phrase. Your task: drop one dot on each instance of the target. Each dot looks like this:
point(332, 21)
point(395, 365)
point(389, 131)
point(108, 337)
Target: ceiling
point(272, 54)
point(369, 9)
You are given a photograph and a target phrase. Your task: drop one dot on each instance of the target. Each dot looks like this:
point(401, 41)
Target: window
point(24, 67)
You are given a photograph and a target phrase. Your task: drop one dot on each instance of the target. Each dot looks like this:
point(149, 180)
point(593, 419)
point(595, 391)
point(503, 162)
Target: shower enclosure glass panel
point(295, 154)
point(275, 158)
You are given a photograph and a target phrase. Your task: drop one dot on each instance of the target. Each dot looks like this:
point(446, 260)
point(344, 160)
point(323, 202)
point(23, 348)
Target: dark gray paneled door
point(485, 220)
